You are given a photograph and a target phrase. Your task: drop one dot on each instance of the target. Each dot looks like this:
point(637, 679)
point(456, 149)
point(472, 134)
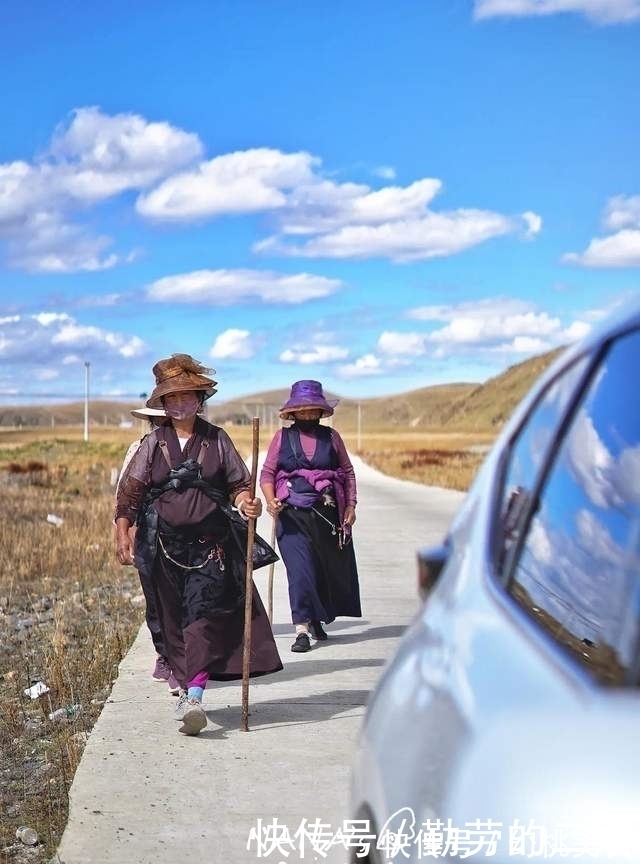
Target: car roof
point(623, 317)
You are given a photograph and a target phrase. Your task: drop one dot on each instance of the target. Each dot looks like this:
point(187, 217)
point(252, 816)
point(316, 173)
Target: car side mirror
point(431, 562)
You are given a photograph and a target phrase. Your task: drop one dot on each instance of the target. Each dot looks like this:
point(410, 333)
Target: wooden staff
point(270, 574)
point(248, 591)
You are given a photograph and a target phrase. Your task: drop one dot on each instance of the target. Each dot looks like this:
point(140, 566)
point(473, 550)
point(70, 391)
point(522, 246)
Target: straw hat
point(307, 394)
point(177, 374)
point(144, 413)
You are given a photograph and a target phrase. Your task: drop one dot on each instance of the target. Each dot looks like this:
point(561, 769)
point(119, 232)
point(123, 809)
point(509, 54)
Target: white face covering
point(180, 406)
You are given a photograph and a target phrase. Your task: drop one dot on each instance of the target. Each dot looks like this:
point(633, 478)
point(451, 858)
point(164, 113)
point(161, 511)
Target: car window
point(578, 564)
point(528, 452)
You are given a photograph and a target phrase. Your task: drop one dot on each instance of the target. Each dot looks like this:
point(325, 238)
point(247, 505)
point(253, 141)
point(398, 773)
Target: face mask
point(307, 425)
point(186, 406)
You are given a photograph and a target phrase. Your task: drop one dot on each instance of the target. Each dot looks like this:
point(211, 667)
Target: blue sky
point(379, 195)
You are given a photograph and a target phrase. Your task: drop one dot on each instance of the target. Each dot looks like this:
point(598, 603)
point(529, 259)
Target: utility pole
point(359, 427)
point(87, 366)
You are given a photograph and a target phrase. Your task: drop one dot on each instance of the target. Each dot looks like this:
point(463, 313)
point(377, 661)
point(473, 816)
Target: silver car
point(506, 727)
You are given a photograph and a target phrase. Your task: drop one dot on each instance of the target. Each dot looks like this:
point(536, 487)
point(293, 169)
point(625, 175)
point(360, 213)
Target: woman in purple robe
point(309, 485)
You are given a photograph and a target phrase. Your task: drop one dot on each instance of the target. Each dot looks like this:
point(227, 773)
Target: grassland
point(68, 615)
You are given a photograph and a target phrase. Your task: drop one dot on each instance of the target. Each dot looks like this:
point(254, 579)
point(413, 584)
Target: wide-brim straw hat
point(307, 394)
point(144, 413)
point(178, 374)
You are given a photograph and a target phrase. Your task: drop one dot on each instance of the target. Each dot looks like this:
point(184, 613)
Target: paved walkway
point(145, 794)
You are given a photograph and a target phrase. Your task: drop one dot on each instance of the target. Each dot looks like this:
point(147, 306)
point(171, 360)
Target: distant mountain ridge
point(459, 407)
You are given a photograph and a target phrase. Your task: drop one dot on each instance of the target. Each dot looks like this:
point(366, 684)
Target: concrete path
point(145, 794)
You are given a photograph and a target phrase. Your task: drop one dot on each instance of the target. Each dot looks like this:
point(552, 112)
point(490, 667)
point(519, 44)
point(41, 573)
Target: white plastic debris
point(68, 713)
point(36, 690)
point(27, 835)
point(54, 520)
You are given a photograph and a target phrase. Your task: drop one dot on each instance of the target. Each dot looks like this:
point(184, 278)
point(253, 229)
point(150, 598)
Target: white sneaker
point(181, 705)
point(193, 718)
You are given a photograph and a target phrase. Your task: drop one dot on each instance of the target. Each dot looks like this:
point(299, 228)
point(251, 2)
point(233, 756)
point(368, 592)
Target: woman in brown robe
point(178, 489)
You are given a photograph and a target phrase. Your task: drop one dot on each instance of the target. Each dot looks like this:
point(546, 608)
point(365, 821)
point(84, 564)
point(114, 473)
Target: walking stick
point(248, 591)
point(270, 574)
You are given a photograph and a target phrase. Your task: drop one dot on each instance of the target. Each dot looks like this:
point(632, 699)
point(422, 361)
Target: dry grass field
point(69, 613)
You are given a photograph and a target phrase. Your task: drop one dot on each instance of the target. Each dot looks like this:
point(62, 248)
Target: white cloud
point(21, 190)
point(55, 339)
point(626, 475)
point(351, 220)
point(396, 344)
point(622, 211)
point(46, 374)
point(485, 308)
point(232, 344)
point(325, 206)
point(227, 287)
point(494, 325)
point(99, 301)
point(48, 347)
point(48, 244)
point(618, 250)
point(243, 182)
point(97, 155)
point(533, 223)
point(71, 335)
point(600, 11)
point(386, 172)
point(433, 236)
point(92, 158)
point(315, 354)
point(522, 345)
point(578, 329)
point(471, 333)
point(47, 318)
point(475, 329)
point(591, 462)
point(363, 367)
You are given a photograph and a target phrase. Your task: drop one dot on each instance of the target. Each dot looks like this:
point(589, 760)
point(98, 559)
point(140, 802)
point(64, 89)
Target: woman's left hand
point(251, 507)
point(349, 516)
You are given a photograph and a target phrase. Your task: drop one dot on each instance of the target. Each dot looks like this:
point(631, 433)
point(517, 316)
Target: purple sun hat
point(307, 394)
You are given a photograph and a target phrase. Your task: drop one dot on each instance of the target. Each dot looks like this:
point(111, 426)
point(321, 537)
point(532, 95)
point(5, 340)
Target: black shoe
point(302, 644)
point(317, 631)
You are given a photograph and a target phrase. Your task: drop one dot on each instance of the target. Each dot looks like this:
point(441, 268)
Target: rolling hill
point(459, 407)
